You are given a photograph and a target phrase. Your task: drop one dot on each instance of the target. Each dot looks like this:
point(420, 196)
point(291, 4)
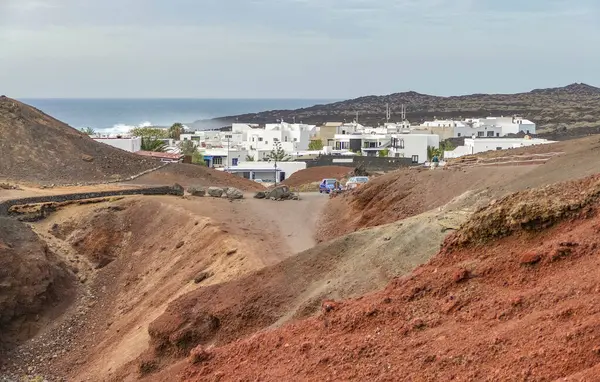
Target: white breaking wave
point(121, 128)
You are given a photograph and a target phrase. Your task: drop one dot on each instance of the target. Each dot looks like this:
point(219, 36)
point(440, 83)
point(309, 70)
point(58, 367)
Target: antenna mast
point(403, 112)
point(387, 112)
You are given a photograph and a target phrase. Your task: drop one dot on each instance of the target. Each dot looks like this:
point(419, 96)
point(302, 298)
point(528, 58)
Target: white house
point(131, 144)
point(266, 171)
point(413, 146)
point(506, 125)
point(479, 145)
point(223, 157)
point(291, 137)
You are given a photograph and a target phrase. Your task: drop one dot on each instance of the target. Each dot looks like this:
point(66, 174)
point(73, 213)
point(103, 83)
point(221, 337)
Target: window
point(217, 160)
point(275, 139)
point(415, 159)
point(228, 136)
point(285, 138)
point(266, 142)
point(234, 161)
point(498, 148)
point(295, 139)
point(497, 134)
point(480, 133)
point(260, 139)
point(490, 133)
point(459, 134)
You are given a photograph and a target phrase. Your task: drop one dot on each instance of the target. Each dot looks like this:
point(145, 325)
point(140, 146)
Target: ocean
point(120, 115)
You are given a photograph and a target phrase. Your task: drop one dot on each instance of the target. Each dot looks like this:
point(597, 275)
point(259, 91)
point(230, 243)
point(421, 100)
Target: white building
point(505, 125)
point(413, 146)
point(479, 145)
point(131, 144)
point(291, 138)
point(400, 145)
point(266, 171)
point(222, 157)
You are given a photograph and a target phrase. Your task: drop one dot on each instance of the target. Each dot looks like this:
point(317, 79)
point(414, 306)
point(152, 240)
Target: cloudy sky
point(294, 48)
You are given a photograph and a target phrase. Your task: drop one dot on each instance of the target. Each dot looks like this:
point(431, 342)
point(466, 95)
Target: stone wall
point(5, 206)
point(369, 163)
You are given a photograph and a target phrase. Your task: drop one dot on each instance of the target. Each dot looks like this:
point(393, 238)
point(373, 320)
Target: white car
point(356, 181)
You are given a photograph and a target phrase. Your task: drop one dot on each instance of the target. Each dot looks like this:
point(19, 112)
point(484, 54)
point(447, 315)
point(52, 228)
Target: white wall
point(415, 144)
point(132, 145)
point(479, 145)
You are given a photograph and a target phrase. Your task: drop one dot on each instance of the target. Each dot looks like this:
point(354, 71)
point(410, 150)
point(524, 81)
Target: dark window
point(234, 161)
point(490, 133)
point(497, 134)
point(415, 159)
point(498, 148)
point(459, 134)
point(480, 133)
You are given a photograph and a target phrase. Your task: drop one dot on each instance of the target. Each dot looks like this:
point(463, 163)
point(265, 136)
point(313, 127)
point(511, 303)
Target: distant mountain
point(562, 112)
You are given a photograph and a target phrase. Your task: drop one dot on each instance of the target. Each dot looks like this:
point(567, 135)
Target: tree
point(153, 144)
point(384, 153)
point(249, 158)
point(188, 147)
point(198, 158)
point(88, 131)
point(149, 132)
point(176, 130)
point(446, 146)
point(277, 154)
point(432, 151)
point(315, 145)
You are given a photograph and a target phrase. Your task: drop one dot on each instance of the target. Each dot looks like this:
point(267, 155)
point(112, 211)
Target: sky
point(293, 48)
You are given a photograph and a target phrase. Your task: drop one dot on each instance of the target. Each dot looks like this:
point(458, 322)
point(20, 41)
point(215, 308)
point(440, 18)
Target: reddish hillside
point(405, 193)
point(522, 307)
point(35, 147)
point(316, 174)
point(194, 175)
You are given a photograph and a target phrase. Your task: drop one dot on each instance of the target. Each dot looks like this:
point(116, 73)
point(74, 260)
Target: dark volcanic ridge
point(562, 112)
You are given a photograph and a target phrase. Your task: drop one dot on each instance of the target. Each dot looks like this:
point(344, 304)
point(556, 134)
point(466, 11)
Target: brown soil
point(404, 193)
point(34, 283)
point(484, 313)
point(40, 149)
point(316, 174)
point(132, 258)
point(294, 289)
point(194, 175)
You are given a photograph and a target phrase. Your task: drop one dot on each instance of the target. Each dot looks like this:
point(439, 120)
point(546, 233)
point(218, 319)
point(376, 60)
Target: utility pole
point(228, 157)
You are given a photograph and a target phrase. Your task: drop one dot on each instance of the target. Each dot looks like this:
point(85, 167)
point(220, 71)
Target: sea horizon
point(119, 115)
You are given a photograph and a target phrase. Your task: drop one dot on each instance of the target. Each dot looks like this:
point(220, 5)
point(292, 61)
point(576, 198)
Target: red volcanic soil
point(316, 174)
point(513, 295)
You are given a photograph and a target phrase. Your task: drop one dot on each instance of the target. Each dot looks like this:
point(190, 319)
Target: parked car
point(356, 181)
point(327, 185)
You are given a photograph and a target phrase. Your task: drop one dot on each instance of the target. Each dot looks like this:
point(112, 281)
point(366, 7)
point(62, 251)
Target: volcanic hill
point(35, 147)
point(562, 112)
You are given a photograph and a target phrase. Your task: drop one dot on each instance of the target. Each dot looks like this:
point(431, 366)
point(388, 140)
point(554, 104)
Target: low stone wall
point(6, 205)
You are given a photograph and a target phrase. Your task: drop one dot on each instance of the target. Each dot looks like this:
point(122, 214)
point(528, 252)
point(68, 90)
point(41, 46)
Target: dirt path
point(296, 220)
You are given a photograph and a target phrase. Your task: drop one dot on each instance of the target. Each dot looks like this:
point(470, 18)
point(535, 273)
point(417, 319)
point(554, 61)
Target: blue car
point(327, 185)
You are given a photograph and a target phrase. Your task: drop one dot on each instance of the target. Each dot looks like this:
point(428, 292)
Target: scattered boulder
point(530, 258)
point(87, 158)
point(231, 251)
point(234, 193)
point(215, 192)
point(202, 276)
point(177, 189)
point(279, 192)
point(196, 191)
point(260, 195)
point(180, 244)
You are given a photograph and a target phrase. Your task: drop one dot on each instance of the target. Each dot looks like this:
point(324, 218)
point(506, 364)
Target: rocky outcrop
point(31, 280)
point(215, 192)
point(233, 193)
point(197, 191)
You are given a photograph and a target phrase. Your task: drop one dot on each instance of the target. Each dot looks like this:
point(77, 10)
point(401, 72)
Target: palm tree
point(153, 144)
point(88, 131)
point(176, 130)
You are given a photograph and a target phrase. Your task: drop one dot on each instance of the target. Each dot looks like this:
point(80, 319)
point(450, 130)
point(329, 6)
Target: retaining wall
point(5, 206)
point(369, 163)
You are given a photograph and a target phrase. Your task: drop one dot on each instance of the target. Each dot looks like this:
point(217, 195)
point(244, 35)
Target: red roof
point(160, 155)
